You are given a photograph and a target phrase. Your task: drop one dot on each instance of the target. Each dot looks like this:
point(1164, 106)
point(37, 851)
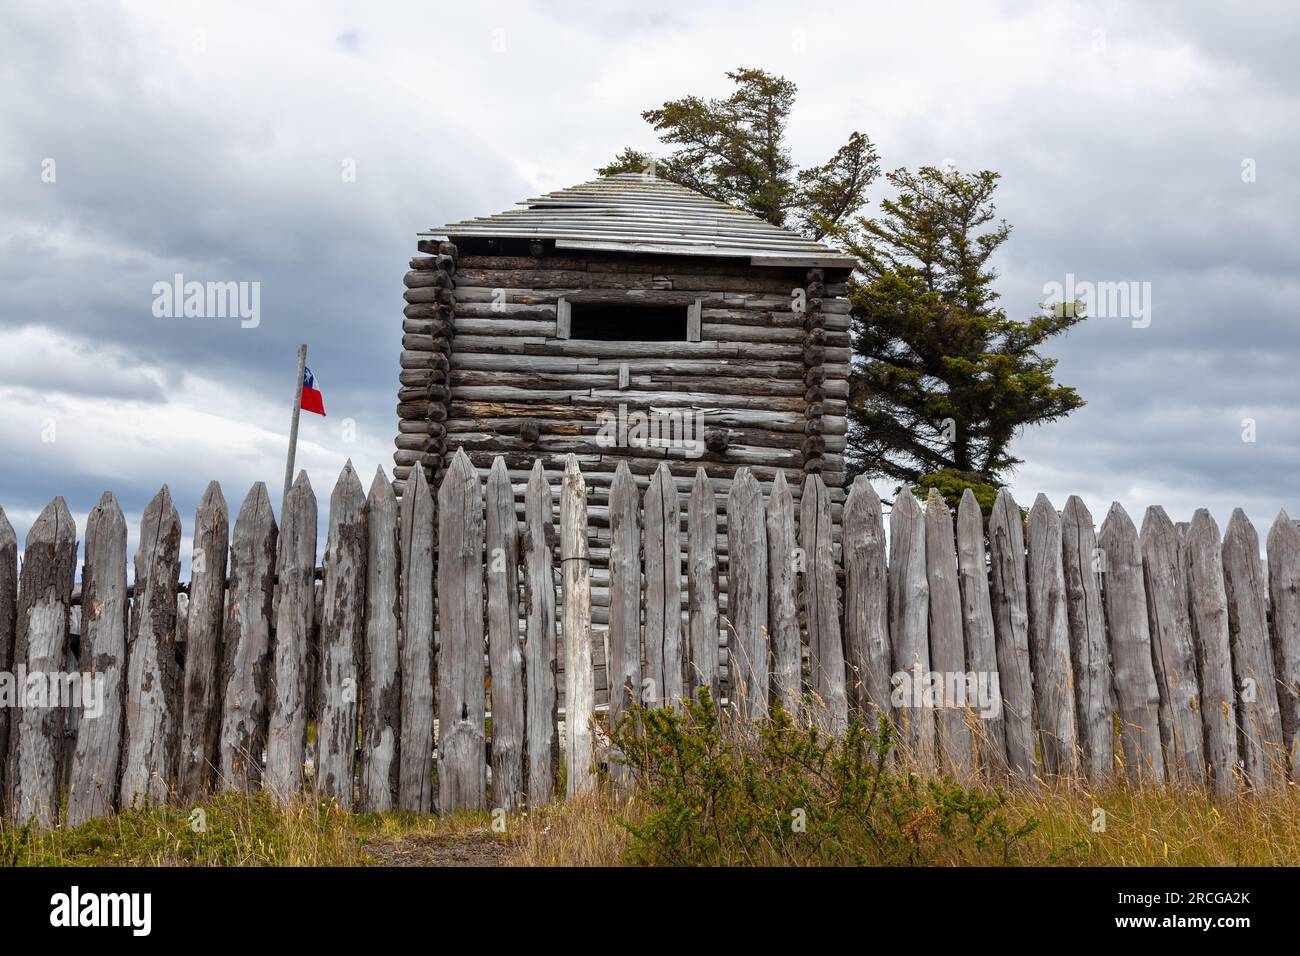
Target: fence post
point(825, 640)
point(663, 595)
point(382, 670)
point(92, 785)
point(506, 656)
point(990, 744)
point(1130, 649)
point(415, 753)
point(342, 633)
point(201, 700)
point(909, 613)
point(44, 598)
point(1202, 557)
point(539, 642)
point(783, 565)
point(1080, 563)
point(1171, 646)
point(866, 603)
point(1262, 755)
point(1049, 641)
point(702, 588)
point(624, 665)
point(1284, 592)
point(747, 596)
point(8, 626)
point(1011, 630)
point(462, 735)
point(947, 647)
point(152, 675)
point(247, 643)
point(579, 683)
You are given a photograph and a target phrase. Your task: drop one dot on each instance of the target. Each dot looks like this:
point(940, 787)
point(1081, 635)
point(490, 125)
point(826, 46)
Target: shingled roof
point(634, 212)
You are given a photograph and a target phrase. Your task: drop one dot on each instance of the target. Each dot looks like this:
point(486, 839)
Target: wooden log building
point(550, 328)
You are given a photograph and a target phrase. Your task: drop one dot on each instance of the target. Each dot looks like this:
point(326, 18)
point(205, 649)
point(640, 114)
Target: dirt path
point(475, 848)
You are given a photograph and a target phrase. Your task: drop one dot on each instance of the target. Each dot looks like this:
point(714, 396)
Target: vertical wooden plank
point(579, 682)
point(747, 596)
point(1284, 593)
point(784, 561)
point(1208, 616)
point(415, 753)
point(92, 782)
point(702, 588)
point(947, 645)
point(1049, 641)
point(694, 320)
point(1259, 718)
point(821, 603)
point(286, 746)
point(1171, 646)
point(381, 692)
point(909, 613)
point(246, 641)
point(624, 664)
point(1011, 632)
point(1089, 657)
point(152, 675)
point(505, 653)
point(663, 591)
point(44, 596)
point(563, 318)
point(201, 703)
point(866, 603)
point(990, 742)
point(462, 734)
point(1130, 649)
point(8, 628)
point(539, 639)
point(342, 637)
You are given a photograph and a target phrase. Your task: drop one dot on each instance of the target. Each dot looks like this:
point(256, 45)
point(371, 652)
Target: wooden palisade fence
point(475, 599)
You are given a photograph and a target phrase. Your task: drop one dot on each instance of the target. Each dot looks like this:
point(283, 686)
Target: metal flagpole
point(293, 429)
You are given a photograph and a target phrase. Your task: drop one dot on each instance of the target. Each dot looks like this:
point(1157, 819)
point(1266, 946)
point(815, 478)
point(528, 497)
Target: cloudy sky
point(301, 146)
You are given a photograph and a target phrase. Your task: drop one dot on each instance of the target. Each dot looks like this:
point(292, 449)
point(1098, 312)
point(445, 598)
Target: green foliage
point(734, 149)
point(780, 794)
point(951, 483)
point(944, 380)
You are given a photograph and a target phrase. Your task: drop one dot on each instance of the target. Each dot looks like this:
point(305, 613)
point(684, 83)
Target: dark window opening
point(627, 323)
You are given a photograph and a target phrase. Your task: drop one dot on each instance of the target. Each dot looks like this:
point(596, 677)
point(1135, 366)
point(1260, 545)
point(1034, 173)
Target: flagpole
point(293, 429)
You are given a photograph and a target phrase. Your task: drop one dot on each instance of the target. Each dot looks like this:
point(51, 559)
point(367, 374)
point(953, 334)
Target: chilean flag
point(311, 398)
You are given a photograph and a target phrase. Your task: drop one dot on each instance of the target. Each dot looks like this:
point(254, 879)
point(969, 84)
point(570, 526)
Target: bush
point(721, 794)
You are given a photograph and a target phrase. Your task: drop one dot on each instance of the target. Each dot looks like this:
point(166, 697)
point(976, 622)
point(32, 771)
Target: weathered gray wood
point(462, 733)
point(8, 628)
point(989, 736)
point(702, 588)
point(44, 599)
point(1173, 657)
point(830, 706)
point(539, 639)
point(1208, 616)
point(381, 697)
point(92, 782)
point(415, 774)
point(342, 637)
point(909, 613)
point(947, 645)
point(505, 652)
point(286, 745)
point(579, 682)
point(663, 679)
point(1049, 641)
point(866, 603)
point(1259, 718)
point(201, 703)
point(784, 562)
point(246, 669)
point(1089, 656)
point(1009, 591)
point(747, 601)
point(624, 666)
point(1130, 649)
point(153, 696)
point(1284, 595)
